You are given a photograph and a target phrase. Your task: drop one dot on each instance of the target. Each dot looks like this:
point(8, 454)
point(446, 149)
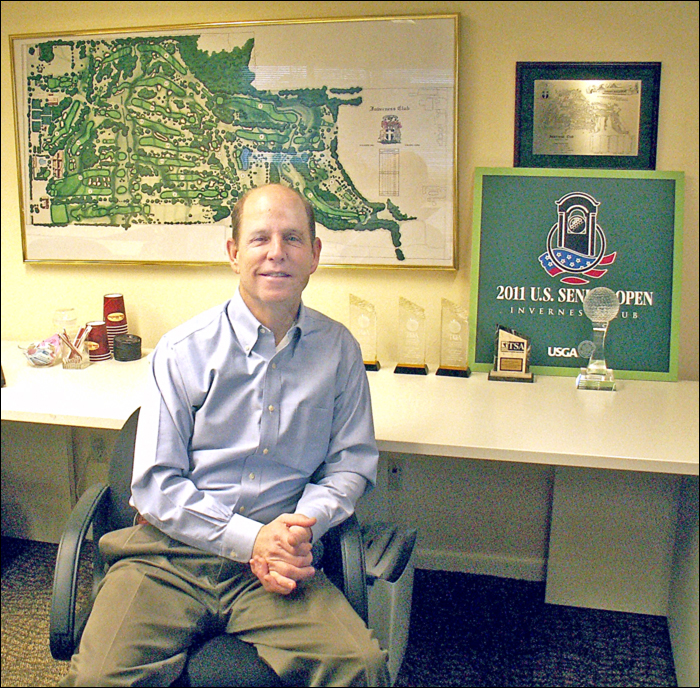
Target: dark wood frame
point(528, 72)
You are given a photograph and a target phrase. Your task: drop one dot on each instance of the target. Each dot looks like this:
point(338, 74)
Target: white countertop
point(103, 395)
point(644, 426)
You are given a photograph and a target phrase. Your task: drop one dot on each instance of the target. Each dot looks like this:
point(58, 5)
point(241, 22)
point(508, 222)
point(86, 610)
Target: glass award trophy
point(363, 325)
point(411, 339)
point(511, 361)
point(454, 341)
point(601, 306)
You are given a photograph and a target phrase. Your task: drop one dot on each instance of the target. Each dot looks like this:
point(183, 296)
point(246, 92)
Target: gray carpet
point(465, 631)
point(469, 630)
point(27, 573)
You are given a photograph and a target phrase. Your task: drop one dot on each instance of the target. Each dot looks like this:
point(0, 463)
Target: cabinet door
point(38, 482)
point(611, 540)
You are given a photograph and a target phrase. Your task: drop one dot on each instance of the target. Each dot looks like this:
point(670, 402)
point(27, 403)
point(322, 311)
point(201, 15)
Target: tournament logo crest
point(576, 244)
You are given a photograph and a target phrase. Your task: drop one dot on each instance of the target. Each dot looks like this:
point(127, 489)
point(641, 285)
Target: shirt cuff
point(239, 538)
point(320, 528)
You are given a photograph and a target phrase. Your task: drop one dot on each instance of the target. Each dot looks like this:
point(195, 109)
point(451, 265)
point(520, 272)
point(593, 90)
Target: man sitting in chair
point(255, 438)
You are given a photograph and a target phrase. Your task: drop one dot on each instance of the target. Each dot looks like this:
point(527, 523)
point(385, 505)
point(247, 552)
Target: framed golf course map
point(133, 146)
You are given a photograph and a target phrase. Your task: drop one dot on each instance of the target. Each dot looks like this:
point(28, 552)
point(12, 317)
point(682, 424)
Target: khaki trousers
point(159, 596)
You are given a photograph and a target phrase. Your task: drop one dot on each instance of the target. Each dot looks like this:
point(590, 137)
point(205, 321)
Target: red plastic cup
point(114, 316)
point(97, 342)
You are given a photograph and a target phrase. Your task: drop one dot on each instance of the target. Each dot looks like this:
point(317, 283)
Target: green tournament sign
point(543, 238)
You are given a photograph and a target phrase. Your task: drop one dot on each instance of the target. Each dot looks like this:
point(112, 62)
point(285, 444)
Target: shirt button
point(270, 408)
point(242, 510)
point(266, 451)
point(251, 476)
point(274, 366)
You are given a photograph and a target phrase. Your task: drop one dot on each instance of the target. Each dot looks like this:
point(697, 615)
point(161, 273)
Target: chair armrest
point(64, 633)
point(345, 563)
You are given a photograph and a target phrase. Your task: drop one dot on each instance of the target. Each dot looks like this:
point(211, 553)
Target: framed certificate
point(587, 114)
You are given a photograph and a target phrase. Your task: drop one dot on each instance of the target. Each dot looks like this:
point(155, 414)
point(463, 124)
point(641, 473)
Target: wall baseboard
point(502, 566)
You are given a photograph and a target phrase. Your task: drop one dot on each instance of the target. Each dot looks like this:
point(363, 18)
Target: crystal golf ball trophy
point(601, 306)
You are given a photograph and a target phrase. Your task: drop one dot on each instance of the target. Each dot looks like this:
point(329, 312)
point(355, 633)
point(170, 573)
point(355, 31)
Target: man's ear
point(316, 249)
point(232, 251)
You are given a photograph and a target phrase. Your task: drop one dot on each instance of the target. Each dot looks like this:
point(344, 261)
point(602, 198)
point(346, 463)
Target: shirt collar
point(303, 323)
point(247, 327)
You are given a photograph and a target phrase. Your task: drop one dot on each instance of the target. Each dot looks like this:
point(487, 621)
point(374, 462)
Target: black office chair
point(223, 660)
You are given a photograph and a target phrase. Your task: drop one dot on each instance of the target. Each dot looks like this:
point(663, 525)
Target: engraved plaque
point(363, 325)
point(454, 341)
point(411, 339)
point(511, 361)
point(586, 117)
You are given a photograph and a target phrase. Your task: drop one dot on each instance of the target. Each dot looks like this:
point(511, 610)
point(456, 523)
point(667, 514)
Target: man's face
point(274, 255)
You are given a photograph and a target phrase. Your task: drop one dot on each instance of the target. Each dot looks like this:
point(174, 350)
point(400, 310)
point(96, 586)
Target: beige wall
point(479, 516)
point(494, 36)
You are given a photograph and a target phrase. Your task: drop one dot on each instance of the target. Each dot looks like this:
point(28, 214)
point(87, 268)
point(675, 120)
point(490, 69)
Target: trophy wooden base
point(372, 365)
point(511, 376)
point(453, 372)
point(404, 369)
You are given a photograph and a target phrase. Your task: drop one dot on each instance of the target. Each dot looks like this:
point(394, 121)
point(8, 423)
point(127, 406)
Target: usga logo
point(562, 352)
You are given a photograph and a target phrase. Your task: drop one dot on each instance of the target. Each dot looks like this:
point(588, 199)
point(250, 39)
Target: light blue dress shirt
point(235, 431)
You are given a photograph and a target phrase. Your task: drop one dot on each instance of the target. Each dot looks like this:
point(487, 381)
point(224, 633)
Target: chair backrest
point(121, 514)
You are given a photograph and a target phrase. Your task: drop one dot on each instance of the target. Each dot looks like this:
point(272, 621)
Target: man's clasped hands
point(282, 553)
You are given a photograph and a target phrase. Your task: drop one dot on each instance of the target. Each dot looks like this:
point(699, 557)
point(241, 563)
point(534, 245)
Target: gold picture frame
point(133, 145)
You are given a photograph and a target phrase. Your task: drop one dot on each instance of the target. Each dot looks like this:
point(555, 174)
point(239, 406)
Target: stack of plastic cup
point(114, 317)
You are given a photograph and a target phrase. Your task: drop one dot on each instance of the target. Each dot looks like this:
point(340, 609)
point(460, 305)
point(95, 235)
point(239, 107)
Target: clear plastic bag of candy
point(45, 353)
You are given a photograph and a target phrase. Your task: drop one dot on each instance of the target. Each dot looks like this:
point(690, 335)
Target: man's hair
point(237, 212)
